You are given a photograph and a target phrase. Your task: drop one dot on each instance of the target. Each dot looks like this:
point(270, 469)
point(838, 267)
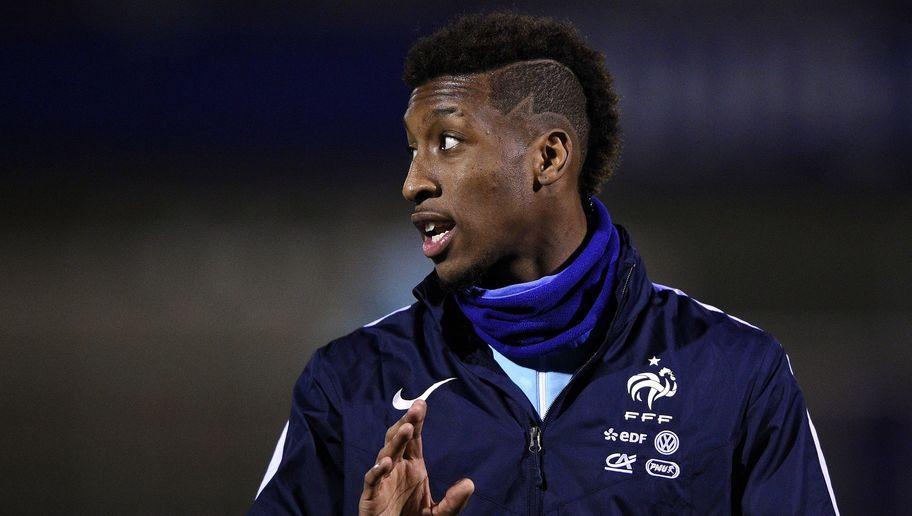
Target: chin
point(452, 281)
point(453, 276)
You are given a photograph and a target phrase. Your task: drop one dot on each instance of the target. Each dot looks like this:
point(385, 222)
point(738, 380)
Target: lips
point(436, 231)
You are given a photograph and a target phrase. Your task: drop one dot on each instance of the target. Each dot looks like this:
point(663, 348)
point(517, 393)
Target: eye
point(447, 142)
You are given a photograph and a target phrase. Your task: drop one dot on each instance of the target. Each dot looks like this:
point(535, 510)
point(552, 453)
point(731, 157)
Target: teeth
point(429, 227)
point(438, 238)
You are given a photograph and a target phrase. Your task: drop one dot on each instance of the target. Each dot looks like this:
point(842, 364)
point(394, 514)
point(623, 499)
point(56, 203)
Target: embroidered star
point(654, 361)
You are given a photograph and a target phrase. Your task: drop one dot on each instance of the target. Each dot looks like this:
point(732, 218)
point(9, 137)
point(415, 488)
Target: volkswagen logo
point(666, 442)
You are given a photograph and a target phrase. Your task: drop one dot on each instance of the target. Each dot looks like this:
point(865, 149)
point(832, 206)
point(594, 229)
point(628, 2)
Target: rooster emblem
point(662, 385)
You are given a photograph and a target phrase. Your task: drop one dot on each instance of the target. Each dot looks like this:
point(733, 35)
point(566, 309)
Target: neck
point(548, 250)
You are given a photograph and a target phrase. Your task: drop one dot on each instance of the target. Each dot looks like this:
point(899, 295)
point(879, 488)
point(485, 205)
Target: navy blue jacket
point(681, 410)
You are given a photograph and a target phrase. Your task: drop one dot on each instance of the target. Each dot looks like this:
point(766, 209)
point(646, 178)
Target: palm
point(406, 490)
point(398, 483)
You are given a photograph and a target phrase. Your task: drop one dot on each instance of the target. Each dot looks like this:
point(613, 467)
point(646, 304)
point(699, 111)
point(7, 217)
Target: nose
point(419, 184)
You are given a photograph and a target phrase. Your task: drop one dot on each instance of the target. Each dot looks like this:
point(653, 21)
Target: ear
point(553, 150)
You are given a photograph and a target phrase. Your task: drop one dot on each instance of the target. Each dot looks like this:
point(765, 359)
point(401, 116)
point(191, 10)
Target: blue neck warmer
point(554, 313)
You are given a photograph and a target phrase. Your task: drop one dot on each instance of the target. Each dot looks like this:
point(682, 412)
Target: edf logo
point(627, 437)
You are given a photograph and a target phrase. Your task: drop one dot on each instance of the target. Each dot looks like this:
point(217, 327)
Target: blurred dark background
point(196, 195)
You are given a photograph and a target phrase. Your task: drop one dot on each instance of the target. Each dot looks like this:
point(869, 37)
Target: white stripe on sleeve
point(823, 466)
point(275, 461)
point(396, 311)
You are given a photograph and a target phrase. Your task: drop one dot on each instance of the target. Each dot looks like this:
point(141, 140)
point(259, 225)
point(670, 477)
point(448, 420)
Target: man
point(540, 371)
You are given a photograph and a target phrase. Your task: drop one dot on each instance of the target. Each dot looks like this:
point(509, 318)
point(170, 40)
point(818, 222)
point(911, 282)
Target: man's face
point(470, 179)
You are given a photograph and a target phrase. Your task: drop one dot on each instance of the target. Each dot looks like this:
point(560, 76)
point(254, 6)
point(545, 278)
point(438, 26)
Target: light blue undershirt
point(541, 387)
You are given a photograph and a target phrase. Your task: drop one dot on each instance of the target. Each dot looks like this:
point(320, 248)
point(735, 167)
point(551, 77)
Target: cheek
point(494, 176)
point(492, 210)
point(491, 196)
point(479, 182)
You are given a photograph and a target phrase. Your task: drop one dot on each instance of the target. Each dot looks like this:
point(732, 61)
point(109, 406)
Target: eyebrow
point(439, 112)
point(446, 111)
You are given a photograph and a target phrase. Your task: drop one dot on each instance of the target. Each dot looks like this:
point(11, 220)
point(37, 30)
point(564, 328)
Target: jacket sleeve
point(308, 479)
point(780, 469)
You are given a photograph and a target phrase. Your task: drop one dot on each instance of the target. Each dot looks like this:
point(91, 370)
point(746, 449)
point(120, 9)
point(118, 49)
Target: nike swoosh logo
point(403, 404)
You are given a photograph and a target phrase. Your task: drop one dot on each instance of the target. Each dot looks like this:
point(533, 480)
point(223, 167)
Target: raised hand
point(398, 482)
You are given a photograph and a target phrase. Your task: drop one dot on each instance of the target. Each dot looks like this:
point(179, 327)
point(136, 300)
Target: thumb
point(455, 499)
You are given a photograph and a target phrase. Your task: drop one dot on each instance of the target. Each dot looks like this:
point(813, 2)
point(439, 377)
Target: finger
point(409, 416)
point(373, 477)
point(416, 416)
point(394, 428)
point(396, 446)
point(455, 499)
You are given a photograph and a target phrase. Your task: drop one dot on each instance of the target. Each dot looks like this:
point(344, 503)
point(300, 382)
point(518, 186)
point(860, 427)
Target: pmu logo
point(662, 385)
point(662, 468)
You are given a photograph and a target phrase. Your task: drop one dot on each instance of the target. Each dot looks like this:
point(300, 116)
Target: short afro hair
point(484, 42)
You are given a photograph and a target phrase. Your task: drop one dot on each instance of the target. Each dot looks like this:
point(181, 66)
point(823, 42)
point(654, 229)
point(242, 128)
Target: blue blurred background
point(197, 195)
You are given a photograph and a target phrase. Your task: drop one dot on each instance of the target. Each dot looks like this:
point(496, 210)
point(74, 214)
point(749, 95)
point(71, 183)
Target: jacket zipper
point(535, 446)
point(536, 489)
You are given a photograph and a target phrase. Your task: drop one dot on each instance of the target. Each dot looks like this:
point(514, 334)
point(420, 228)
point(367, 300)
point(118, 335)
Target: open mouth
point(436, 232)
